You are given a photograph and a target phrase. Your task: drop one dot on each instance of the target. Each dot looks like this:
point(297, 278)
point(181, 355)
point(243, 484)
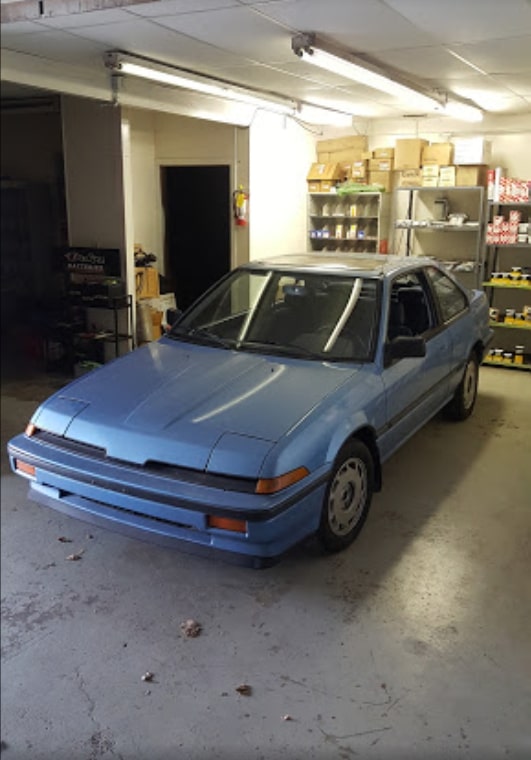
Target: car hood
point(191, 406)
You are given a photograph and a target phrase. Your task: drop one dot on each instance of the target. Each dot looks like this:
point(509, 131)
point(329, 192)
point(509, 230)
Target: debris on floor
point(64, 540)
point(287, 717)
point(75, 556)
point(244, 689)
point(191, 628)
point(147, 676)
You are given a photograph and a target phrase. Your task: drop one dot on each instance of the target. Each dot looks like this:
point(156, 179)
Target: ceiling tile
point(59, 46)
point(236, 30)
point(467, 20)
point(429, 62)
point(363, 25)
point(86, 18)
point(511, 56)
point(176, 7)
point(146, 37)
point(517, 83)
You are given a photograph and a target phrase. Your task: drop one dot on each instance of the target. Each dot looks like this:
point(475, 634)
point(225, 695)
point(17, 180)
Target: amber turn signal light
point(27, 469)
point(227, 523)
point(30, 429)
point(272, 485)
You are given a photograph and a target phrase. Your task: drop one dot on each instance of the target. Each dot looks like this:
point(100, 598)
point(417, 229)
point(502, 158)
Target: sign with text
point(94, 261)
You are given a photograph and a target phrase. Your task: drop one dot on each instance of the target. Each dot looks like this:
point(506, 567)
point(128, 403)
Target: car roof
point(362, 264)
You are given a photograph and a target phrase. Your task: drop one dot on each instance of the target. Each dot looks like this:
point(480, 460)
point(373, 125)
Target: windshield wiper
point(203, 334)
point(277, 348)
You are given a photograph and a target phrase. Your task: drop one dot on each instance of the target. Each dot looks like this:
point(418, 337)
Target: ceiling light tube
point(187, 81)
point(462, 111)
point(362, 74)
point(311, 49)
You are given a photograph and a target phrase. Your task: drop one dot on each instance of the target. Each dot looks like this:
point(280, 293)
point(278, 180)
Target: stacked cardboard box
point(323, 177)
point(342, 149)
point(147, 288)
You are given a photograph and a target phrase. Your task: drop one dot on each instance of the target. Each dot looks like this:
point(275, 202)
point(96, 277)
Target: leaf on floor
point(244, 689)
point(191, 628)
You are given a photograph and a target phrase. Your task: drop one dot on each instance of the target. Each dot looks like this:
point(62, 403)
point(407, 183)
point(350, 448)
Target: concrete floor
point(415, 643)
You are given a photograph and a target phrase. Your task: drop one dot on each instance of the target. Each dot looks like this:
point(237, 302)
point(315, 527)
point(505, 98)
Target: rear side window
point(450, 297)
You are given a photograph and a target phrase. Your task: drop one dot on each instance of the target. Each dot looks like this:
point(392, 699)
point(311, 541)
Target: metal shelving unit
point(420, 232)
point(356, 222)
point(503, 296)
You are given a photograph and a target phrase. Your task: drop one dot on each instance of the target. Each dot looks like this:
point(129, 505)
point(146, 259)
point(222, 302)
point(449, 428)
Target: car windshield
point(310, 315)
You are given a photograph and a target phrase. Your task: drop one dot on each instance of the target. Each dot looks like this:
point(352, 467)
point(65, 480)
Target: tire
point(348, 497)
point(464, 400)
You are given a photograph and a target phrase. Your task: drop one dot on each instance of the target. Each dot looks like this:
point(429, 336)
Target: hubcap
point(469, 384)
point(348, 494)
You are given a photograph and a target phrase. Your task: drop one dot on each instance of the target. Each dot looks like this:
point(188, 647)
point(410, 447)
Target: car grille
point(161, 469)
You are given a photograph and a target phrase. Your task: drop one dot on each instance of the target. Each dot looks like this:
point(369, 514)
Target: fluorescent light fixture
point(367, 78)
point(314, 114)
point(462, 111)
point(125, 63)
point(325, 55)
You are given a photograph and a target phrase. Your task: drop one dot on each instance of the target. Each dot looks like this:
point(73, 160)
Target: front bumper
point(169, 511)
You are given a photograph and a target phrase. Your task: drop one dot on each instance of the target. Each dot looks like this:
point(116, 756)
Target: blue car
point(266, 412)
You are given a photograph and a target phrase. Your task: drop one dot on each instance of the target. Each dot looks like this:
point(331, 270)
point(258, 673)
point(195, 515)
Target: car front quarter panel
point(316, 440)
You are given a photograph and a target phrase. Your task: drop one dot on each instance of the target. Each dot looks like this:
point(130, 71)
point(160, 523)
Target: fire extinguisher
point(239, 202)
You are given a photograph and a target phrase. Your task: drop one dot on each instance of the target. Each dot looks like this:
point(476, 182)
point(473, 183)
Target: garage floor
point(416, 643)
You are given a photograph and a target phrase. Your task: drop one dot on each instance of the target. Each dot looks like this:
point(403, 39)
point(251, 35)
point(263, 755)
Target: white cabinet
point(508, 284)
point(446, 223)
point(356, 222)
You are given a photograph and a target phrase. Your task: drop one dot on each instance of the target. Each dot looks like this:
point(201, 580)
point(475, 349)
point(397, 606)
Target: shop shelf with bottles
point(508, 283)
point(355, 222)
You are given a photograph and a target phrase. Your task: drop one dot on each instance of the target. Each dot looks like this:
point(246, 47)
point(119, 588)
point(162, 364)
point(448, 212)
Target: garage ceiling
point(475, 49)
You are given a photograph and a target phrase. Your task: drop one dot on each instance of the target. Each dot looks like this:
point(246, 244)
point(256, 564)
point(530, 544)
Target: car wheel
point(348, 497)
point(464, 400)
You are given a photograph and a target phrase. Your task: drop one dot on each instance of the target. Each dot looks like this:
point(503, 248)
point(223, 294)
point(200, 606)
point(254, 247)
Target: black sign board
point(102, 261)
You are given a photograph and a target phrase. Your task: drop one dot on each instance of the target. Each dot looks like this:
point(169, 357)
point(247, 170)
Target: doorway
point(197, 210)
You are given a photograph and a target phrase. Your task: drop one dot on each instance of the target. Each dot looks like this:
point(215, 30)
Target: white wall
point(163, 139)
point(281, 152)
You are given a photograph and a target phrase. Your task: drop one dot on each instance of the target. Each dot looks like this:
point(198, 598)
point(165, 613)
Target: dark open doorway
point(197, 209)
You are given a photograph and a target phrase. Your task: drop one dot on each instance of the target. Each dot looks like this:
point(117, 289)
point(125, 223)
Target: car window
point(450, 297)
point(410, 311)
point(304, 314)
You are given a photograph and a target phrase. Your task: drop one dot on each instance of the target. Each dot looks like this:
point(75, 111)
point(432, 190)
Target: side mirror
point(172, 315)
point(403, 347)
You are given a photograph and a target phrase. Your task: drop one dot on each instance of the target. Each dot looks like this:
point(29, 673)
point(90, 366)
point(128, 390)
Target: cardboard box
point(156, 324)
point(338, 156)
point(147, 282)
point(410, 178)
point(431, 171)
point(447, 176)
point(430, 181)
point(314, 186)
point(367, 155)
point(383, 153)
point(381, 164)
point(471, 176)
point(359, 170)
point(408, 153)
point(324, 171)
point(327, 185)
point(472, 150)
point(381, 178)
point(352, 142)
point(322, 177)
point(439, 154)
